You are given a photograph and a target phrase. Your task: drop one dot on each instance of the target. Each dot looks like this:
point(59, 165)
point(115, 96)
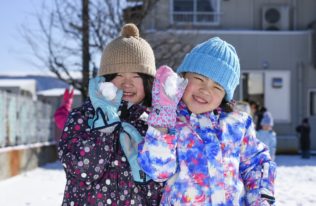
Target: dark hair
point(227, 106)
point(263, 109)
point(252, 102)
point(148, 85)
point(305, 120)
point(147, 82)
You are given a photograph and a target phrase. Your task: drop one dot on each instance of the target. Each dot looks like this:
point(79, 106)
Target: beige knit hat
point(128, 53)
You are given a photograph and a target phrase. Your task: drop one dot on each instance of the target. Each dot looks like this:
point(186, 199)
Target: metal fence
point(23, 120)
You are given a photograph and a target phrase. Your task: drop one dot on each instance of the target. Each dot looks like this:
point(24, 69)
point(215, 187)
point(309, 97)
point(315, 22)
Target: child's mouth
point(199, 99)
point(128, 94)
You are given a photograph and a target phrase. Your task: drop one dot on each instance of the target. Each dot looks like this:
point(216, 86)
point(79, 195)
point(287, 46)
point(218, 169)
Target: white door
point(277, 95)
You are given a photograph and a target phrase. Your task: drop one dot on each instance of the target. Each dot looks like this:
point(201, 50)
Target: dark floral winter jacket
point(96, 167)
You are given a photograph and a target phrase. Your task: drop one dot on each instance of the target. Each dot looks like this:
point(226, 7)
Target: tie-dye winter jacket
point(96, 167)
point(209, 159)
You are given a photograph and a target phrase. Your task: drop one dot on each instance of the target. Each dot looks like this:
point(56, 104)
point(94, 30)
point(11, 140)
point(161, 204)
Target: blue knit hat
point(217, 60)
point(267, 119)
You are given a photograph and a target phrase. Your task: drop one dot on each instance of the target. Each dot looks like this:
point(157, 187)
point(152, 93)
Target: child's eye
point(218, 88)
point(198, 78)
point(136, 76)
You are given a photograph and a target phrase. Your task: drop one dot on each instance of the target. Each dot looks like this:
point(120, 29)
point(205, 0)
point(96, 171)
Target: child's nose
point(127, 82)
point(205, 90)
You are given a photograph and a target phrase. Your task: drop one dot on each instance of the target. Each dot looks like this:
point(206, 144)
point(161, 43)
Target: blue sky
point(15, 54)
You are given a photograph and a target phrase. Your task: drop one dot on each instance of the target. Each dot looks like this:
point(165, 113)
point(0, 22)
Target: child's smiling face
point(202, 94)
point(132, 85)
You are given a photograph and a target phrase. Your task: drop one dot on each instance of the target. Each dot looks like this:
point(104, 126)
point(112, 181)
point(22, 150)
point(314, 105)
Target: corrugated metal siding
point(23, 120)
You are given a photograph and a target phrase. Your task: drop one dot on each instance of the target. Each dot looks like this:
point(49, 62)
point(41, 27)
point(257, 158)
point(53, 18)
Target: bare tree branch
point(72, 34)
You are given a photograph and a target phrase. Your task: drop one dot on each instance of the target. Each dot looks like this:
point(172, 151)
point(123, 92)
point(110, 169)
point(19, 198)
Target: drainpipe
point(311, 47)
point(252, 6)
point(294, 3)
point(300, 68)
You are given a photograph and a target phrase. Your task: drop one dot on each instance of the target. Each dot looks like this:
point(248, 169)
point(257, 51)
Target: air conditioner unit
point(275, 17)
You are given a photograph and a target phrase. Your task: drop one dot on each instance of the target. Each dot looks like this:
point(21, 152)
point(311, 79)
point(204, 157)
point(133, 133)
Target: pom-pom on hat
point(128, 53)
point(217, 60)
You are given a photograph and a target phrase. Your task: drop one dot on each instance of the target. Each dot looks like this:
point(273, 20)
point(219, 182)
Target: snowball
point(171, 84)
point(108, 90)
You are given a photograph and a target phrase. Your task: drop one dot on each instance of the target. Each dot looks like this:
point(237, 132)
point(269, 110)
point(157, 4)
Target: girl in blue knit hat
point(266, 133)
point(207, 153)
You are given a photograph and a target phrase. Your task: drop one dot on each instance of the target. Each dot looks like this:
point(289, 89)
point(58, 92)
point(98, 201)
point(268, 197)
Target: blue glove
point(129, 144)
point(106, 110)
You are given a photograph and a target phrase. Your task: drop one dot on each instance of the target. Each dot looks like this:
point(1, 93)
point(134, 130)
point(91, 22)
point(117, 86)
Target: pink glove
point(61, 116)
point(168, 89)
point(62, 112)
point(68, 99)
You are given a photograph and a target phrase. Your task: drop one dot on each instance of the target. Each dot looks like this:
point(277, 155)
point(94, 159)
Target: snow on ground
point(296, 181)
point(295, 184)
point(40, 187)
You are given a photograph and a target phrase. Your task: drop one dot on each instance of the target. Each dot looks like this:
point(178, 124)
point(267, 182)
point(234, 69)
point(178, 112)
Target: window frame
point(217, 15)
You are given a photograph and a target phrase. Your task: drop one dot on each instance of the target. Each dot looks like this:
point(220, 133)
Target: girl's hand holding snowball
point(106, 99)
point(167, 91)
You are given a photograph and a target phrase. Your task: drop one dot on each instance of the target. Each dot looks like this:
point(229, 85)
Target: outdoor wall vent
point(275, 17)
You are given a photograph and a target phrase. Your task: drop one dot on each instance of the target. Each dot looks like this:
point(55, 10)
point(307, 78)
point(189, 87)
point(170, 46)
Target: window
point(253, 87)
point(312, 103)
point(196, 11)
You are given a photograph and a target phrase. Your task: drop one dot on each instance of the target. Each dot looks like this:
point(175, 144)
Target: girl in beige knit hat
point(98, 147)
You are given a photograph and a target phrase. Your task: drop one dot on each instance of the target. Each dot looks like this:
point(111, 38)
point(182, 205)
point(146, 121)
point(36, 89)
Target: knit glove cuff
point(162, 116)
